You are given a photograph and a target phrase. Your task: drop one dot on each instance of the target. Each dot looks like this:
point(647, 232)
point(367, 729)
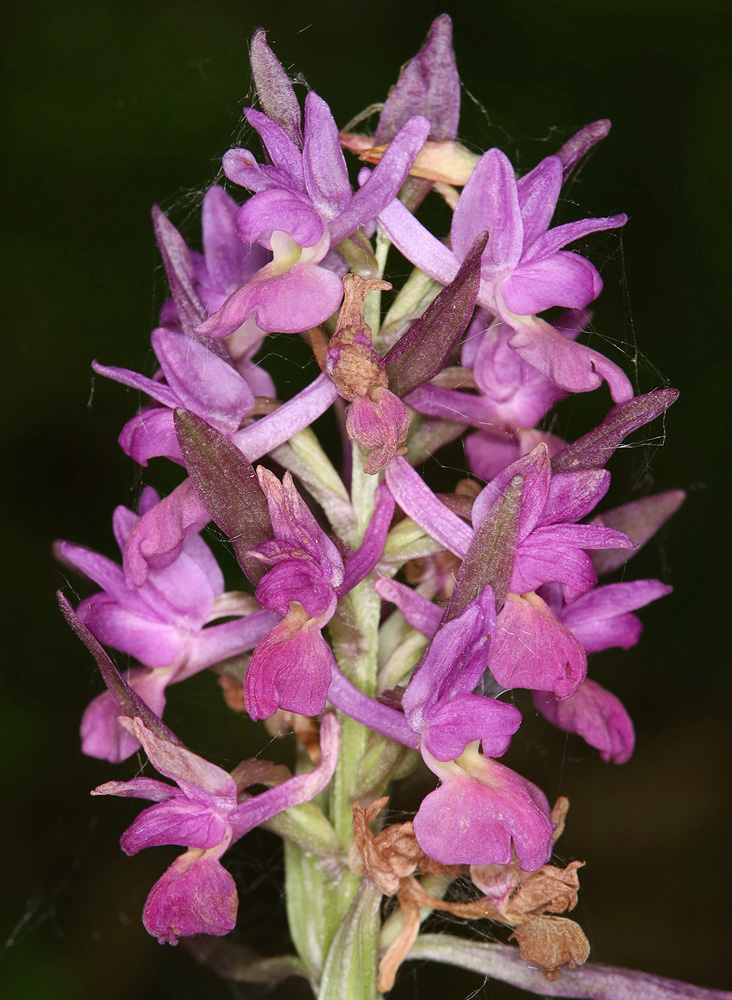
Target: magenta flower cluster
point(528, 593)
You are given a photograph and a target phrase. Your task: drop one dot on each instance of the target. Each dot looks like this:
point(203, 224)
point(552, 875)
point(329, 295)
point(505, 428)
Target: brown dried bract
point(358, 370)
point(388, 857)
point(552, 942)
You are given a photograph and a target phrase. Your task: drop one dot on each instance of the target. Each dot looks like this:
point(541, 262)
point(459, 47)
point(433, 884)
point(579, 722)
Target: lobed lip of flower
point(596, 715)
point(482, 812)
point(524, 268)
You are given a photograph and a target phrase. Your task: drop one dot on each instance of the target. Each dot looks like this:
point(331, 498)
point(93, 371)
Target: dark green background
point(114, 106)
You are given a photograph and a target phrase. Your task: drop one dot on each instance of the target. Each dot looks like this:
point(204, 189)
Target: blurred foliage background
point(111, 107)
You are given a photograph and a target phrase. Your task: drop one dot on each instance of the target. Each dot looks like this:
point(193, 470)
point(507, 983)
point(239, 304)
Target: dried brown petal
point(549, 890)
point(389, 857)
point(552, 942)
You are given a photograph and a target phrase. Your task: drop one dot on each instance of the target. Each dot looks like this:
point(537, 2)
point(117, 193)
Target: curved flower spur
point(389, 628)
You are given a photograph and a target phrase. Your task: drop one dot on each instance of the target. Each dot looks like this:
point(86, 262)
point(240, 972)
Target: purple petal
point(463, 407)
point(263, 436)
point(490, 202)
point(639, 520)
point(564, 279)
point(453, 664)
point(522, 394)
point(301, 298)
point(153, 642)
point(419, 502)
point(283, 152)
point(156, 390)
point(489, 455)
point(97, 567)
point(571, 366)
point(138, 788)
point(417, 610)
point(290, 669)
point(538, 193)
point(196, 895)
point(600, 620)
point(203, 383)
point(101, 734)
point(428, 85)
point(219, 642)
point(226, 256)
point(301, 788)
point(473, 818)
point(151, 434)
point(470, 717)
point(156, 538)
point(241, 167)
point(361, 562)
point(326, 174)
point(279, 210)
point(553, 555)
point(186, 768)
point(295, 526)
point(383, 183)
point(417, 244)
point(573, 495)
point(548, 243)
point(179, 269)
point(179, 822)
point(532, 649)
point(347, 698)
point(596, 715)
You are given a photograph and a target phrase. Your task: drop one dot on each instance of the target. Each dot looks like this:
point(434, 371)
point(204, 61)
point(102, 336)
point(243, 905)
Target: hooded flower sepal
point(479, 811)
